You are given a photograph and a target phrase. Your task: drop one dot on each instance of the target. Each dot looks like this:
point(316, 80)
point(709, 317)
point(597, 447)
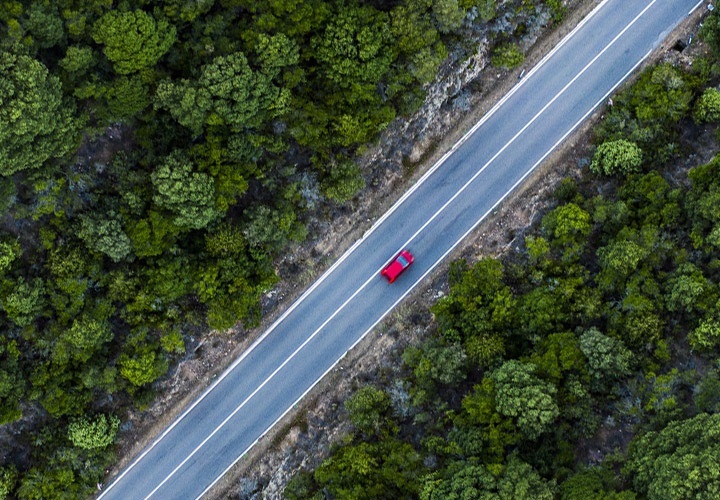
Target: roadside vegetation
point(155, 160)
point(585, 364)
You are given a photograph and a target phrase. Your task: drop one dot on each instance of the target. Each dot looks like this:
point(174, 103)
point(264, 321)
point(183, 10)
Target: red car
point(397, 265)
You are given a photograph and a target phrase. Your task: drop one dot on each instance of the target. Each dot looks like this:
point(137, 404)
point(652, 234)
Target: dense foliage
point(586, 364)
point(155, 159)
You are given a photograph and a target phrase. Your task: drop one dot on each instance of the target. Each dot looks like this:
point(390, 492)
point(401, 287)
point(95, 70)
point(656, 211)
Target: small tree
point(368, 409)
point(92, 434)
point(707, 107)
point(507, 55)
point(616, 157)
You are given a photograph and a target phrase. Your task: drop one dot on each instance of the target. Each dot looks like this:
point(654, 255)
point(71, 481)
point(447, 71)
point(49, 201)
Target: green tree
point(616, 157)
point(44, 25)
point(8, 478)
point(133, 40)
point(55, 482)
point(507, 55)
point(594, 483)
point(227, 94)
point(418, 39)
point(647, 113)
point(568, 227)
point(96, 433)
point(448, 15)
point(608, 358)
point(462, 480)
point(12, 382)
point(520, 394)
point(687, 290)
point(368, 409)
point(142, 367)
point(437, 363)
point(706, 394)
point(710, 32)
point(344, 180)
point(187, 194)
point(559, 356)
point(77, 60)
point(707, 107)
point(678, 462)
point(25, 301)
point(104, 233)
point(386, 469)
point(36, 122)
point(355, 48)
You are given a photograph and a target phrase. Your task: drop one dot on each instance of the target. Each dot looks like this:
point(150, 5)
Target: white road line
point(696, 6)
point(440, 259)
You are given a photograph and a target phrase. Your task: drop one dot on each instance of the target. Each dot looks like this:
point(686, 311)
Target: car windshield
point(403, 261)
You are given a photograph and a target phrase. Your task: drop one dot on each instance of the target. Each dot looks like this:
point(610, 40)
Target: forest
point(585, 364)
point(156, 159)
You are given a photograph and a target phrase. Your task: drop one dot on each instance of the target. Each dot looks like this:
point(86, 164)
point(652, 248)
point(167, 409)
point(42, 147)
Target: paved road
point(439, 211)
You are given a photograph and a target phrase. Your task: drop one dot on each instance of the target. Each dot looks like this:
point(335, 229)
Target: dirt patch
point(464, 93)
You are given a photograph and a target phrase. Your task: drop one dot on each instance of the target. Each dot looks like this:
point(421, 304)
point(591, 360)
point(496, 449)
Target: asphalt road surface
point(430, 220)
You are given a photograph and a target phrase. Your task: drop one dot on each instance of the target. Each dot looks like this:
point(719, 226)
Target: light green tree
point(94, 433)
point(8, 478)
point(568, 227)
point(133, 40)
point(143, 367)
point(84, 338)
point(507, 55)
point(355, 48)
point(25, 301)
point(706, 336)
point(616, 157)
point(36, 122)
point(707, 107)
